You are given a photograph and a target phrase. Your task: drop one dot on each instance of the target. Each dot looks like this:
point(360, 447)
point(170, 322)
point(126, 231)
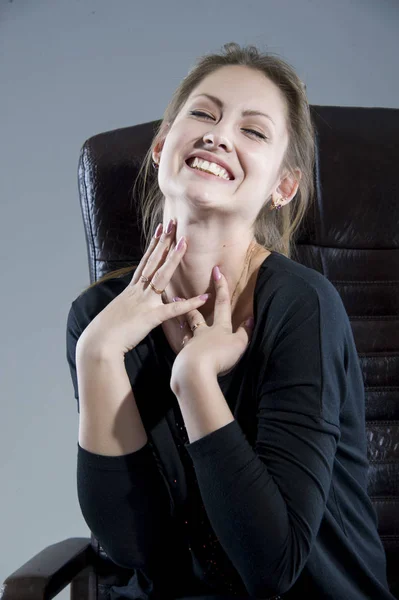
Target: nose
point(216, 139)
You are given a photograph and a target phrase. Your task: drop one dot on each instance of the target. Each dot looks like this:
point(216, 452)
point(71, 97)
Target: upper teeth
point(204, 165)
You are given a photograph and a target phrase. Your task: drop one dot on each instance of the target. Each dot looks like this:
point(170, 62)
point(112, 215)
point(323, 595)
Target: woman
point(215, 458)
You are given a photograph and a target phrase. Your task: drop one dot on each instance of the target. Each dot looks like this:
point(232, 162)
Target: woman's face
point(251, 145)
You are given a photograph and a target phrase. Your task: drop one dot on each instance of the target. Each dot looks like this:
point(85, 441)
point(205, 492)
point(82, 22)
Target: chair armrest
point(50, 571)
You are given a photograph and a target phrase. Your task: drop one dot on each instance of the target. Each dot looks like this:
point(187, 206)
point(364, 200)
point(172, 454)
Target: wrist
point(88, 349)
point(191, 378)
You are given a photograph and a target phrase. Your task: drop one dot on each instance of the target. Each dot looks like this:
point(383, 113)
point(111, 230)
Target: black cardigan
point(274, 503)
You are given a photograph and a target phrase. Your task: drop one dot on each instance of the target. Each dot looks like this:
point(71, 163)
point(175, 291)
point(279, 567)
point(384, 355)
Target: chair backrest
point(350, 235)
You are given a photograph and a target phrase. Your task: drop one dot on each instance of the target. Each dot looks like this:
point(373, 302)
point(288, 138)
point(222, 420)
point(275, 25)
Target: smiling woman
point(273, 230)
point(245, 467)
point(206, 105)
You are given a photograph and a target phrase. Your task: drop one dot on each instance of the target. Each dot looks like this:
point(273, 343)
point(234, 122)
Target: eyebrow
point(244, 113)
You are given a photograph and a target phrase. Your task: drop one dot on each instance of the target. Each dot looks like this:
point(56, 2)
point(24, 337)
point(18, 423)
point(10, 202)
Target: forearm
point(269, 500)
point(123, 497)
point(110, 423)
point(204, 408)
point(126, 505)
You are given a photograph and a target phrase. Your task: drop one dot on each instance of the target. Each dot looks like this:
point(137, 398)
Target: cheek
point(258, 183)
point(172, 162)
point(175, 148)
point(258, 171)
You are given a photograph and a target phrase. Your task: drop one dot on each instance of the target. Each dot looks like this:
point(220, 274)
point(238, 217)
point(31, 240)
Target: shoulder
point(92, 301)
point(285, 285)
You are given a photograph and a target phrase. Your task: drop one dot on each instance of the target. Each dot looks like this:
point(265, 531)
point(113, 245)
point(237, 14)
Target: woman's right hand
point(138, 309)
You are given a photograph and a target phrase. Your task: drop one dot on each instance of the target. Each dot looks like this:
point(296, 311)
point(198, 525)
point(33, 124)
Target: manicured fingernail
point(204, 296)
point(176, 299)
point(180, 244)
point(158, 231)
point(250, 322)
point(169, 227)
point(216, 273)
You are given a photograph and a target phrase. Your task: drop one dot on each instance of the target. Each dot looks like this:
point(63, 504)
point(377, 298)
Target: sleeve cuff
point(124, 462)
point(225, 440)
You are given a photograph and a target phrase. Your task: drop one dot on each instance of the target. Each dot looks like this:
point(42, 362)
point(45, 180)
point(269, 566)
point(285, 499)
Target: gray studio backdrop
point(70, 69)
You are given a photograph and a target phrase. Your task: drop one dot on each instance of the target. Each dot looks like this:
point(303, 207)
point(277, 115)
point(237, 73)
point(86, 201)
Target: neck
point(194, 273)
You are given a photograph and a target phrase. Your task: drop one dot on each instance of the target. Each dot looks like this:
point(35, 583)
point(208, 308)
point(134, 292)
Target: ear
point(288, 185)
point(160, 141)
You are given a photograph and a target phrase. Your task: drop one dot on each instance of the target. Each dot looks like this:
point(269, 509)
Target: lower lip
point(208, 175)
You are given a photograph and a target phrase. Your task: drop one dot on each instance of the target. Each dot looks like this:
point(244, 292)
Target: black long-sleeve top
point(273, 504)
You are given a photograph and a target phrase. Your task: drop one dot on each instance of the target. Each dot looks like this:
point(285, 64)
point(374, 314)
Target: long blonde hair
point(274, 230)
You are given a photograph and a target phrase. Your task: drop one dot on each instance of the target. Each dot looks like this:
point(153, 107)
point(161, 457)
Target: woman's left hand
point(215, 349)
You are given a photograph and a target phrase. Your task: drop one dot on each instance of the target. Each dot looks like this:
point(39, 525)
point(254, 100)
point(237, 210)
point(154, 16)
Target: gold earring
point(275, 204)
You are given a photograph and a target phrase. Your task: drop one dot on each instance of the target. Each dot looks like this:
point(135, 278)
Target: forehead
point(242, 88)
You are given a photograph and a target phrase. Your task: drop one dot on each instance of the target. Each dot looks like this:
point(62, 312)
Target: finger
point(176, 309)
point(193, 317)
point(182, 322)
point(172, 247)
point(163, 274)
point(222, 309)
point(160, 253)
point(153, 243)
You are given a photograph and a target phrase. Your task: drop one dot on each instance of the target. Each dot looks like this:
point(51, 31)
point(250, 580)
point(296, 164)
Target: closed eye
point(252, 131)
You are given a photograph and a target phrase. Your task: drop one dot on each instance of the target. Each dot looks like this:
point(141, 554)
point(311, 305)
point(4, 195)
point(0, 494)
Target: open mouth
point(207, 174)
